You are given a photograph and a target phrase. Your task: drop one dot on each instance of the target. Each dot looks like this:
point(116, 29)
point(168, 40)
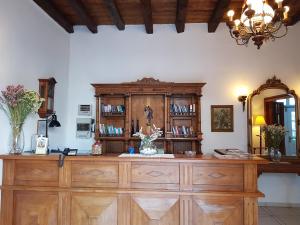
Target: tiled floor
point(279, 216)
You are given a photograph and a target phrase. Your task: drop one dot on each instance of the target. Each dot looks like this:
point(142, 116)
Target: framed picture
point(42, 128)
point(41, 146)
point(222, 118)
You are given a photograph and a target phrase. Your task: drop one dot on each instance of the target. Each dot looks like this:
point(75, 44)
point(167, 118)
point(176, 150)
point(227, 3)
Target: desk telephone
point(64, 153)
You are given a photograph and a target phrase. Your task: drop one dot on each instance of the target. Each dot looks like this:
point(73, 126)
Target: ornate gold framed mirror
point(273, 103)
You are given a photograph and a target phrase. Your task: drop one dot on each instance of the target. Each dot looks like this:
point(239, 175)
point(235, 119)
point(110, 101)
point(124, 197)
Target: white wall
point(32, 46)
point(193, 56)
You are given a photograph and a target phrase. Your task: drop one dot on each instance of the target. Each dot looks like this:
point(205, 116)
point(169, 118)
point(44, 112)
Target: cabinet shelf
point(103, 114)
point(138, 139)
point(179, 115)
point(183, 139)
point(112, 138)
point(171, 139)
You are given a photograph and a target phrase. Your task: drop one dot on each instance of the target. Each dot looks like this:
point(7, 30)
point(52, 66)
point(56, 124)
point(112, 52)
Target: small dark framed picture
point(222, 118)
point(42, 128)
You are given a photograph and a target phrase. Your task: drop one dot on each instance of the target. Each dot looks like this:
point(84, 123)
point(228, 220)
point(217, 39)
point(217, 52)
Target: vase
point(148, 148)
point(16, 141)
point(275, 154)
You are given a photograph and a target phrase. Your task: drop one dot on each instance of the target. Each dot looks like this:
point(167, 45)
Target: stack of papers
point(231, 154)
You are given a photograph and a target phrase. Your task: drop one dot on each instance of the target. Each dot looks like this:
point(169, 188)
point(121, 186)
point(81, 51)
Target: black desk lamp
point(53, 121)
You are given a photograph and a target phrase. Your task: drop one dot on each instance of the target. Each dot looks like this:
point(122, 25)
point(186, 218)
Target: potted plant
point(147, 146)
point(18, 103)
point(274, 135)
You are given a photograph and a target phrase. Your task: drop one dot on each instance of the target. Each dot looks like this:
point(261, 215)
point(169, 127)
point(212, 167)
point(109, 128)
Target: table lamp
point(260, 121)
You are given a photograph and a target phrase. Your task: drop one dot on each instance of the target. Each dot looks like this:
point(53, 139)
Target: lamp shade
point(54, 122)
point(259, 121)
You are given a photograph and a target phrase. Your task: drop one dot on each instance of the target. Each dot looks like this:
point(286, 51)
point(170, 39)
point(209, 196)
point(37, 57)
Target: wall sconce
point(243, 99)
point(242, 94)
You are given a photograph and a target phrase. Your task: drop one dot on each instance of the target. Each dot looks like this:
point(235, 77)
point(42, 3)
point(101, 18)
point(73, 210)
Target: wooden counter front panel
point(35, 208)
point(89, 174)
point(217, 210)
point(155, 209)
point(128, 192)
point(213, 177)
point(94, 209)
point(155, 176)
point(36, 173)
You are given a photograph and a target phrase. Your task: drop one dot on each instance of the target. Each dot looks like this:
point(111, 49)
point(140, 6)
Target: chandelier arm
point(274, 31)
point(243, 41)
point(251, 26)
point(280, 36)
point(230, 31)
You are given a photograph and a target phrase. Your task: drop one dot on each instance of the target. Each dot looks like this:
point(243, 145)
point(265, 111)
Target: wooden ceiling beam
point(218, 13)
point(115, 14)
point(79, 8)
point(181, 15)
point(54, 13)
point(147, 14)
point(294, 19)
point(294, 5)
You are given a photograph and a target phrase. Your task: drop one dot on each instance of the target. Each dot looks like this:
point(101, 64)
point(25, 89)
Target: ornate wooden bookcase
point(160, 96)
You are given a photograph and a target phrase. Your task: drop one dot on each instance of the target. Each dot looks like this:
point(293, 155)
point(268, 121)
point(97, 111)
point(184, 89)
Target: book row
point(110, 130)
point(182, 130)
point(181, 109)
point(112, 108)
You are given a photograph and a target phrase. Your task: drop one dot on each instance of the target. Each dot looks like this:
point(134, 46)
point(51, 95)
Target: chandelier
point(259, 22)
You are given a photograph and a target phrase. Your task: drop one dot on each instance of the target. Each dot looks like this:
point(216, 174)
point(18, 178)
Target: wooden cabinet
point(176, 107)
point(110, 190)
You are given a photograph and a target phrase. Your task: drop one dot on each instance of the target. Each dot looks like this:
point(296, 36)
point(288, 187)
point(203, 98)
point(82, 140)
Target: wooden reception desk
point(109, 190)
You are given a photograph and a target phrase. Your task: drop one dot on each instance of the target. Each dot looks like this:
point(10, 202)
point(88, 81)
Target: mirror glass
point(274, 106)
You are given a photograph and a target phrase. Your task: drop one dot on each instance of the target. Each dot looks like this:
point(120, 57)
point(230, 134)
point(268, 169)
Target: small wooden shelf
point(171, 139)
point(112, 138)
point(183, 139)
point(106, 114)
point(138, 139)
point(180, 115)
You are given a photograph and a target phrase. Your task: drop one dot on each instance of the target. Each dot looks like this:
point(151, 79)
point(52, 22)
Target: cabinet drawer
point(155, 176)
point(36, 173)
point(218, 177)
point(104, 174)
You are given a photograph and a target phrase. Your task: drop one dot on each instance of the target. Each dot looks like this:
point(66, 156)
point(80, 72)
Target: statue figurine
point(149, 114)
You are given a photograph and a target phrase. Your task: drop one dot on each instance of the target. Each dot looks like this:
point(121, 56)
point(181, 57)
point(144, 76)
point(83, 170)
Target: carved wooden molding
point(149, 85)
point(148, 81)
point(272, 83)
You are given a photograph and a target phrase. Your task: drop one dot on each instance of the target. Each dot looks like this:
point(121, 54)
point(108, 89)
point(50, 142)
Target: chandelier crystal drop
point(259, 22)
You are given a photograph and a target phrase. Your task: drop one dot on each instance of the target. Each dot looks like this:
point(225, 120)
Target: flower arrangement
point(147, 147)
point(274, 135)
point(18, 103)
